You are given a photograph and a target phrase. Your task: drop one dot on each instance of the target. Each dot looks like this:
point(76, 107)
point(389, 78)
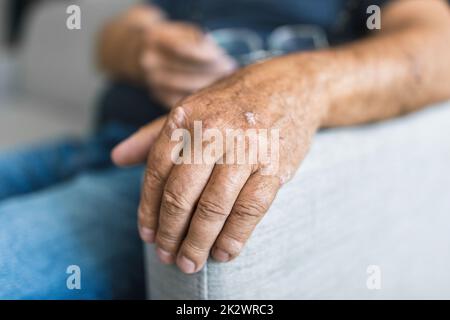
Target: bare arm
point(403, 67)
point(191, 211)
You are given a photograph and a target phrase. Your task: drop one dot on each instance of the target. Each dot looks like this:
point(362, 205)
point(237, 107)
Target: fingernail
point(186, 265)
point(221, 255)
point(147, 235)
point(164, 256)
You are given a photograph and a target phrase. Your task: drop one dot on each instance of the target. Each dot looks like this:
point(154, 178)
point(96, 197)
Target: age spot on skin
point(250, 117)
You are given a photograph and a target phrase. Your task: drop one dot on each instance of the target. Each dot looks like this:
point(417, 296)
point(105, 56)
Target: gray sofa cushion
point(370, 195)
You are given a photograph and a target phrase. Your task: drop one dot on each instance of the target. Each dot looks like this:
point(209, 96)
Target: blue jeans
point(63, 204)
point(88, 221)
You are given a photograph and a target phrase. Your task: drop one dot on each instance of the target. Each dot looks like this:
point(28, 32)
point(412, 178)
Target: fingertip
point(186, 265)
point(147, 235)
point(117, 155)
point(221, 255)
point(165, 256)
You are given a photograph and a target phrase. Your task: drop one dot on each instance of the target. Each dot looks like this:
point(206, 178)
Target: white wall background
point(54, 71)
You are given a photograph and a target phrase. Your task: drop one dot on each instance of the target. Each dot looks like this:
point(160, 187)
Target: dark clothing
point(129, 104)
point(342, 20)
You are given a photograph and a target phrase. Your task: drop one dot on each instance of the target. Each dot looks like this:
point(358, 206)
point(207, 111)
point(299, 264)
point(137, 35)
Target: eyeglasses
point(247, 46)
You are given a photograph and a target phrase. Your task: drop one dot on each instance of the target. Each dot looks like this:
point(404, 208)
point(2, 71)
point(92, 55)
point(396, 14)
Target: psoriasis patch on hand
point(250, 117)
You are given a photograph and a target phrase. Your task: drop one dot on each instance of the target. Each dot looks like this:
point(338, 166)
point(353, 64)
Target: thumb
point(134, 150)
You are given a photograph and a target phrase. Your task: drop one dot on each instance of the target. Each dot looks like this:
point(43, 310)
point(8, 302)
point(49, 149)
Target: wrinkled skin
point(173, 59)
point(197, 207)
point(191, 211)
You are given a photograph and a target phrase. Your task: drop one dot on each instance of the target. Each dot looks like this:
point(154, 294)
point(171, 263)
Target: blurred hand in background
point(173, 59)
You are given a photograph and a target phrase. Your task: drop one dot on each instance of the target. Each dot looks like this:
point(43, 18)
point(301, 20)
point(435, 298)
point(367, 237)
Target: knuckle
point(145, 219)
point(187, 105)
point(145, 213)
point(209, 123)
point(249, 209)
point(174, 204)
point(153, 177)
point(236, 231)
point(193, 248)
point(210, 210)
point(167, 238)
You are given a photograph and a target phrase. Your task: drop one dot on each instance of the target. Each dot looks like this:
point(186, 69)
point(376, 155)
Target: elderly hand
point(173, 59)
point(178, 59)
point(190, 210)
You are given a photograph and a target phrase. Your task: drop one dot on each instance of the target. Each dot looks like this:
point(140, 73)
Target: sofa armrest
point(370, 195)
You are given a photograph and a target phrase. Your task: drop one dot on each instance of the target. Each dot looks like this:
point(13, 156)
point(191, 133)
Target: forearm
point(402, 68)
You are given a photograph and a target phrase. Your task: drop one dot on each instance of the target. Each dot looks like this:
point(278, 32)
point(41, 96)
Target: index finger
point(159, 165)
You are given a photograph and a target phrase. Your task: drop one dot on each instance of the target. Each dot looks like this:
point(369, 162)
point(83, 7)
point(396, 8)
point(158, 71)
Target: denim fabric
point(90, 222)
point(62, 203)
point(33, 168)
